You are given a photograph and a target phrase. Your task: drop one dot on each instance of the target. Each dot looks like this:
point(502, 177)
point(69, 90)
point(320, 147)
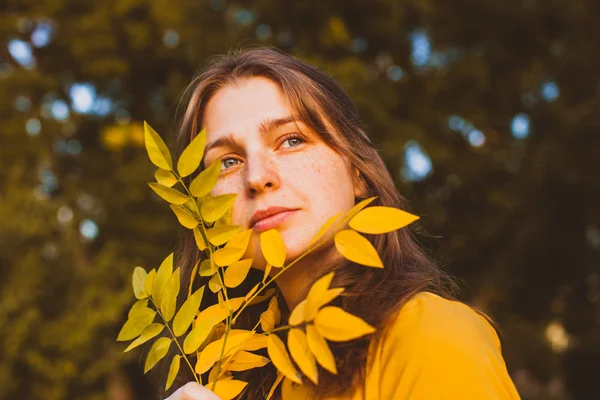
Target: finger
point(193, 391)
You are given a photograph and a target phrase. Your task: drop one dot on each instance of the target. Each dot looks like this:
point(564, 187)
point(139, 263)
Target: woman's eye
point(293, 141)
point(228, 163)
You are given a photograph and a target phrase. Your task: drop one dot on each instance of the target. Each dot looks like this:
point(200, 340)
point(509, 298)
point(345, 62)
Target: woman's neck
point(295, 283)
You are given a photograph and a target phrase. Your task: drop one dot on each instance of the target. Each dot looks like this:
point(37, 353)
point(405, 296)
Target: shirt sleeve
point(442, 349)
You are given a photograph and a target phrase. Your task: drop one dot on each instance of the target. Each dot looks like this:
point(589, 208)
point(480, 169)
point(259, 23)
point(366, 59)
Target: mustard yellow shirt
point(436, 349)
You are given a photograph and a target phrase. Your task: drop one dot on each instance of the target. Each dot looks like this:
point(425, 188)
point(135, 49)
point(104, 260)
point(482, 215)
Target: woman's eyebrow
point(265, 126)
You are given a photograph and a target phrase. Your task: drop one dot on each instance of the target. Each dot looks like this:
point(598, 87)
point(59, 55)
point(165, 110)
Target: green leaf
point(273, 247)
point(158, 152)
point(171, 195)
point(173, 370)
point(357, 248)
point(159, 349)
point(165, 177)
point(192, 155)
point(164, 272)
point(376, 220)
point(221, 234)
point(187, 312)
point(148, 333)
point(139, 276)
point(214, 208)
point(133, 327)
point(168, 300)
point(206, 180)
point(237, 272)
point(185, 217)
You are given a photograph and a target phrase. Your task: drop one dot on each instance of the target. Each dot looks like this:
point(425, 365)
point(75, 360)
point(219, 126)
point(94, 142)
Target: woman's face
point(272, 163)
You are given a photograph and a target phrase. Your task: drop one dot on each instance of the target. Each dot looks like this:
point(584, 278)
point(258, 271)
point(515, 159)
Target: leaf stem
point(196, 377)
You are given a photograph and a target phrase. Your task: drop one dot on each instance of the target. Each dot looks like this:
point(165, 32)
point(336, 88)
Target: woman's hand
point(193, 391)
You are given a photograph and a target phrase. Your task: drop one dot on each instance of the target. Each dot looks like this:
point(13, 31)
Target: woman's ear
point(360, 187)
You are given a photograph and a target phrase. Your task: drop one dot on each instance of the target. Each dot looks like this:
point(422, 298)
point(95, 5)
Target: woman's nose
point(261, 174)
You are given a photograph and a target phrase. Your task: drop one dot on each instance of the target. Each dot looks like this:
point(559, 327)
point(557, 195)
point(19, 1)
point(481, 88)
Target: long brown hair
point(371, 293)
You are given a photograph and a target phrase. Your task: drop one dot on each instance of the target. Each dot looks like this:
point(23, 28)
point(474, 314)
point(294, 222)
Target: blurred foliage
point(517, 217)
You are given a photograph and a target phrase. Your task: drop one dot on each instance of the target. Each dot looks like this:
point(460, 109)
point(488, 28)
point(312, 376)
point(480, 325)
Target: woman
point(293, 149)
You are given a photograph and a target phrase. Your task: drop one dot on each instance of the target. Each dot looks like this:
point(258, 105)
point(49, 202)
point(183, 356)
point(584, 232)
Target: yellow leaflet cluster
point(211, 346)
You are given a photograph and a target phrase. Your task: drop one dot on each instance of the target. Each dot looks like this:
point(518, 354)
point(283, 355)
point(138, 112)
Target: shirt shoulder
point(439, 348)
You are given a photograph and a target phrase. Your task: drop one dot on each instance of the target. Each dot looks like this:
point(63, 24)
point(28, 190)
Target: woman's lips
point(272, 221)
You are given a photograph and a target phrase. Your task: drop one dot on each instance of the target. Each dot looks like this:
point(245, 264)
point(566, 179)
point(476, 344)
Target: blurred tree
point(483, 111)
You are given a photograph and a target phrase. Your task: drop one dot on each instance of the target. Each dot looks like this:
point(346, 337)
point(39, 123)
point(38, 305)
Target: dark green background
point(517, 219)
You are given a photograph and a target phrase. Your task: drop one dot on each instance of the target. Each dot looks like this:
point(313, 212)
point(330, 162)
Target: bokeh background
point(487, 113)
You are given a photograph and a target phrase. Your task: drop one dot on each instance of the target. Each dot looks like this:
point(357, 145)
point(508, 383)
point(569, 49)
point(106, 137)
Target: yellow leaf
point(168, 300)
point(158, 350)
point(200, 243)
point(280, 358)
point(227, 256)
point(328, 224)
point(207, 268)
point(221, 234)
point(302, 355)
point(357, 248)
point(280, 377)
point(261, 298)
point(237, 272)
point(148, 333)
point(158, 152)
point(192, 155)
point(320, 349)
point(198, 335)
point(165, 177)
point(211, 353)
point(133, 327)
point(380, 219)
point(251, 292)
point(139, 276)
point(137, 306)
point(273, 247)
point(291, 391)
point(149, 282)
point(187, 312)
point(171, 195)
point(227, 389)
point(173, 370)
point(206, 180)
point(214, 284)
point(337, 325)
point(271, 317)
point(354, 210)
point(218, 312)
point(185, 217)
point(297, 315)
point(240, 240)
point(164, 272)
point(256, 342)
point(214, 208)
point(244, 360)
point(266, 273)
point(315, 294)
